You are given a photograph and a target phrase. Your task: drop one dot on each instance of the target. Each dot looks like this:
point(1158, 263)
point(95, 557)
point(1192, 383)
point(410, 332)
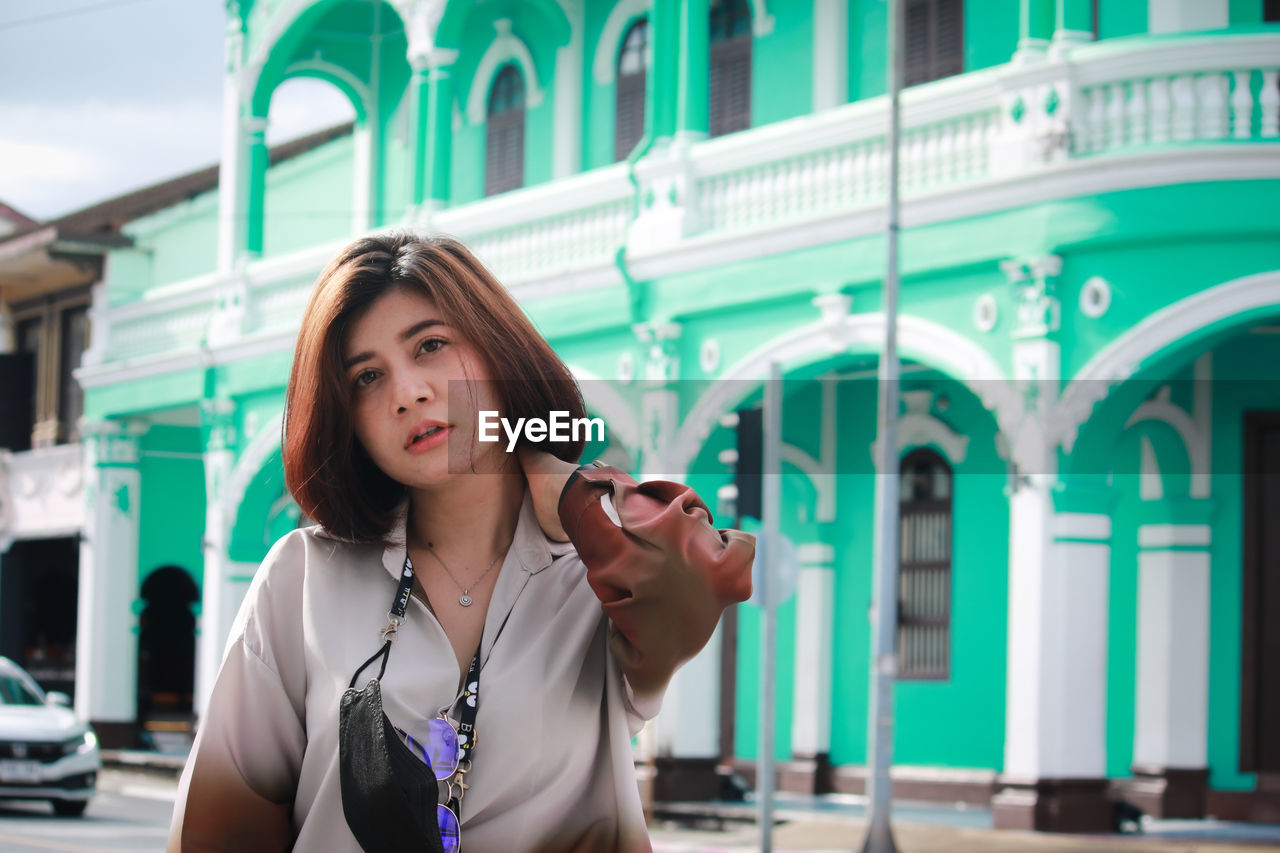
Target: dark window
point(1271, 11)
point(730, 83)
point(504, 139)
point(924, 567)
point(629, 104)
point(75, 338)
point(934, 40)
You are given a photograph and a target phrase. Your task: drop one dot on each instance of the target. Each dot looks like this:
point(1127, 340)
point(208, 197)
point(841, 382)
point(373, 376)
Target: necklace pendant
point(464, 600)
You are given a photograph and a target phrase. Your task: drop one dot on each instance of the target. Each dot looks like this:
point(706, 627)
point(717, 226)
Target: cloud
point(58, 158)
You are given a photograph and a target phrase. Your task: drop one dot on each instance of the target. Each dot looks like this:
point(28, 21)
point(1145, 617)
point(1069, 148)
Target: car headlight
point(80, 743)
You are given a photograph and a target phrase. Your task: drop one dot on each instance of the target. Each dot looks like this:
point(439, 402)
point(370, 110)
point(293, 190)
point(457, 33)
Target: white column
point(234, 170)
point(106, 632)
point(1059, 564)
point(566, 149)
point(1175, 16)
point(364, 150)
point(689, 725)
point(830, 53)
point(1172, 703)
point(815, 619)
point(216, 608)
point(1058, 597)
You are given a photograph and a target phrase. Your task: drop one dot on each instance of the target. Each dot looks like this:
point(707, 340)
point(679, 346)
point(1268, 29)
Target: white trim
point(1176, 16)
point(1082, 525)
point(505, 46)
point(934, 344)
point(830, 53)
point(815, 554)
point(761, 21)
point(620, 417)
point(1171, 535)
point(255, 455)
point(364, 109)
point(604, 66)
point(1124, 356)
point(1072, 179)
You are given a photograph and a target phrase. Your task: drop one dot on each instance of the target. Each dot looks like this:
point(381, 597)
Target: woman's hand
point(546, 475)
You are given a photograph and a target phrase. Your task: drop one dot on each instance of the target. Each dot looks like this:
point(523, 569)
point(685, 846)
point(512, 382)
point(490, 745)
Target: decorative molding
point(1082, 525)
point(1095, 297)
point(619, 415)
point(604, 66)
point(918, 427)
point(1172, 325)
point(924, 340)
point(761, 21)
point(363, 102)
point(505, 46)
point(1174, 535)
point(986, 313)
point(1192, 428)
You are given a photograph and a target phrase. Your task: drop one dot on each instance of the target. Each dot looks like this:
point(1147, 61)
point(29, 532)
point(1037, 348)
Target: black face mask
point(389, 795)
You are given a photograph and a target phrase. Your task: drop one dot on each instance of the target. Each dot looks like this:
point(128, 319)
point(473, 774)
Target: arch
point(454, 20)
point(601, 396)
point(621, 17)
point(167, 647)
point(1181, 326)
point(264, 444)
point(275, 53)
point(342, 79)
point(919, 339)
point(507, 47)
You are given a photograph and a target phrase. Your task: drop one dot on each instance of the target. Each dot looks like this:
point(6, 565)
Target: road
point(131, 812)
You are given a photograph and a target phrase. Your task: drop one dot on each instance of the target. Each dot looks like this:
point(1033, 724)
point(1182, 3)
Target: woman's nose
point(412, 390)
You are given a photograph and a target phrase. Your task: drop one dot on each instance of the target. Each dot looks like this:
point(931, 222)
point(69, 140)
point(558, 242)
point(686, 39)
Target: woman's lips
point(422, 445)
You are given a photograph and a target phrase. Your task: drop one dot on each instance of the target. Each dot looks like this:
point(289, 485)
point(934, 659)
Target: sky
point(102, 97)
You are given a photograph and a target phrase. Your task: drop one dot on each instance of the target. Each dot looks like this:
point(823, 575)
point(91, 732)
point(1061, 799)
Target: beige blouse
point(552, 766)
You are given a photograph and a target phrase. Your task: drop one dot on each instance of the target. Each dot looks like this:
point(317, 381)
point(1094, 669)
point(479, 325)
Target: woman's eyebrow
point(408, 333)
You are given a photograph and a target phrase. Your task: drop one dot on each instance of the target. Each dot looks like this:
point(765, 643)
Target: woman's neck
point(474, 514)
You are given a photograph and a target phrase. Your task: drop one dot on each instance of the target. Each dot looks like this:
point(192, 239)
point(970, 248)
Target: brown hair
point(326, 469)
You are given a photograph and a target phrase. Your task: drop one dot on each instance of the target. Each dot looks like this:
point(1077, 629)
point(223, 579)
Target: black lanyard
point(470, 689)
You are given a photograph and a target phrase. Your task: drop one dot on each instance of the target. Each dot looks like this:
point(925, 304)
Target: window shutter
point(933, 41)
point(504, 134)
point(628, 115)
point(730, 89)
point(924, 567)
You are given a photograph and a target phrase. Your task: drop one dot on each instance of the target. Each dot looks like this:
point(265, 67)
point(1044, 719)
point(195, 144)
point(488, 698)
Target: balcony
point(41, 493)
point(1113, 115)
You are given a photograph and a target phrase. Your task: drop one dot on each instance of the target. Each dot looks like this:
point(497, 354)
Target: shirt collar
point(530, 547)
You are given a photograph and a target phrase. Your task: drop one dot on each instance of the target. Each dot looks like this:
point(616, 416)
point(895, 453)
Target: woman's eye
point(430, 345)
point(365, 377)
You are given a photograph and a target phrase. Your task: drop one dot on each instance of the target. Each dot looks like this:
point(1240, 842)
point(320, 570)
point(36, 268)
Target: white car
point(45, 752)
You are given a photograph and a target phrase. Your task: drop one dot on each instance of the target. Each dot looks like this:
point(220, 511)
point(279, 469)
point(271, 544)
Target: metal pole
point(771, 502)
point(885, 594)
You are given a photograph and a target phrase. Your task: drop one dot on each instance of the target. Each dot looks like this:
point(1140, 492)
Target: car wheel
point(69, 808)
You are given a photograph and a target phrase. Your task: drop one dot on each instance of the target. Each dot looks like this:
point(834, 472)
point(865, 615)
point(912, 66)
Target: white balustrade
point(960, 131)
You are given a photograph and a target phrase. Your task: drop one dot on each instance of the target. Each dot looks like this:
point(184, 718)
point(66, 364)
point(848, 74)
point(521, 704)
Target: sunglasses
point(435, 742)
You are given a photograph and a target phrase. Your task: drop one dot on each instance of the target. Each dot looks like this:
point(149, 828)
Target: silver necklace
point(464, 599)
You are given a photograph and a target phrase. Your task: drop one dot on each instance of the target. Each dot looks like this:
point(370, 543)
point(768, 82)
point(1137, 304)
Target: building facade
point(681, 194)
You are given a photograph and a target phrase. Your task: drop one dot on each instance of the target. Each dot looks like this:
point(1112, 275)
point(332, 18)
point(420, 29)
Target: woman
point(534, 608)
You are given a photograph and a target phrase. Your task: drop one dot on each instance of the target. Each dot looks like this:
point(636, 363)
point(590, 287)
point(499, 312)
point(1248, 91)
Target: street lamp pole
point(885, 594)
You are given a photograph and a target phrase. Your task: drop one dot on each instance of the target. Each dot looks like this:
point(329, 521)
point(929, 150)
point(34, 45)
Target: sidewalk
point(837, 823)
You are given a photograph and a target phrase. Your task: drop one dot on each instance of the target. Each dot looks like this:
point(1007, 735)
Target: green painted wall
point(1121, 18)
point(786, 54)
point(309, 199)
point(172, 502)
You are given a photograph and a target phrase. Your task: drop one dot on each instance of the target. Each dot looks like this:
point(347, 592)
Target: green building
point(683, 193)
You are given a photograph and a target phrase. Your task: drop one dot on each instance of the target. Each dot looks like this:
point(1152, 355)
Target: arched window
point(504, 133)
point(628, 125)
point(924, 567)
point(730, 89)
point(167, 656)
point(934, 40)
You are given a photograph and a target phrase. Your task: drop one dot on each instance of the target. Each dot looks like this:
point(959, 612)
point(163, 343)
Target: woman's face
point(399, 359)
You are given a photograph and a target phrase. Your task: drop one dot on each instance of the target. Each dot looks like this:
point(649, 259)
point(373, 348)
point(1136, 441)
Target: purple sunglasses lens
point(450, 832)
point(436, 743)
